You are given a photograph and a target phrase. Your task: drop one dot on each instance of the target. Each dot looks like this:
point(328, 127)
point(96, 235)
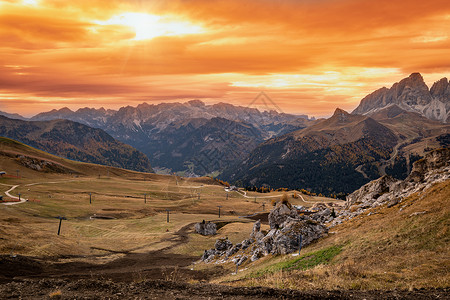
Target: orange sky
point(309, 56)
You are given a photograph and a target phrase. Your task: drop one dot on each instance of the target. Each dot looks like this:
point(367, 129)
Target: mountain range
point(388, 131)
point(192, 137)
point(385, 134)
point(75, 141)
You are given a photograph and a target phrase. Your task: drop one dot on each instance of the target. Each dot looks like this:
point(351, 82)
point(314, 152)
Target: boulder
point(373, 193)
point(241, 260)
point(280, 213)
point(257, 254)
point(287, 239)
point(205, 228)
point(223, 244)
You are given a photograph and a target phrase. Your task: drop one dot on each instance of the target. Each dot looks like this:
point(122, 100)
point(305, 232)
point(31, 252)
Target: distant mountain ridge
point(187, 137)
point(322, 157)
point(411, 94)
point(75, 141)
point(12, 116)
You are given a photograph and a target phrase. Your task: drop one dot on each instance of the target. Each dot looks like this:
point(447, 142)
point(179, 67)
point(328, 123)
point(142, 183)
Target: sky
point(308, 56)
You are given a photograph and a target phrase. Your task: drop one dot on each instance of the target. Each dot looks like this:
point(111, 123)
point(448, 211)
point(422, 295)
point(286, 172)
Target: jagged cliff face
point(433, 168)
point(411, 94)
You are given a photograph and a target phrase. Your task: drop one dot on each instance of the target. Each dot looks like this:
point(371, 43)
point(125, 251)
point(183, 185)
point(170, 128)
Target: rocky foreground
point(291, 229)
point(288, 232)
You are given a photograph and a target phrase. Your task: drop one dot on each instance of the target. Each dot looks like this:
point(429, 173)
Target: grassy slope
point(390, 249)
point(30, 228)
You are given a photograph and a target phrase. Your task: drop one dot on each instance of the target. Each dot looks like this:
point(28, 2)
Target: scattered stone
point(418, 213)
point(282, 240)
point(233, 250)
point(393, 202)
point(257, 254)
point(208, 255)
point(256, 228)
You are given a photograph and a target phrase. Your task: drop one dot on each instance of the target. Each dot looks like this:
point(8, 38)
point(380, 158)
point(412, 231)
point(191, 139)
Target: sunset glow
point(309, 56)
point(148, 26)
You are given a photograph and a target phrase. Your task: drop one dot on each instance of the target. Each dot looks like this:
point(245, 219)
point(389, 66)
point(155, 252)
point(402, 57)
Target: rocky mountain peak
point(341, 115)
point(339, 112)
point(196, 103)
point(411, 94)
point(65, 110)
point(415, 78)
point(440, 88)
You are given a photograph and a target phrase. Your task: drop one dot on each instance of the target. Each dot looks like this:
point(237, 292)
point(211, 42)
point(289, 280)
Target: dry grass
point(391, 249)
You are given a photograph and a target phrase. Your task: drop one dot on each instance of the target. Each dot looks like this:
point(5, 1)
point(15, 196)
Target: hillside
point(398, 240)
point(208, 138)
point(411, 94)
point(75, 141)
point(30, 163)
point(322, 157)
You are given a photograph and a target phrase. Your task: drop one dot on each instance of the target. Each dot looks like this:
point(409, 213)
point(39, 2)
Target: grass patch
point(303, 262)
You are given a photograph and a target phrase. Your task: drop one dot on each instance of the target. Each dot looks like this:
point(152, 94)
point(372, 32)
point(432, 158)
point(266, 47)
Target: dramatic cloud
point(310, 56)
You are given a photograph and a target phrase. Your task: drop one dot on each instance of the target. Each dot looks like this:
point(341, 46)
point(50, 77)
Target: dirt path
point(359, 170)
point(23, 200)
point(244, 194)
point(7, 193)
point(105, 289)
point(385, 163)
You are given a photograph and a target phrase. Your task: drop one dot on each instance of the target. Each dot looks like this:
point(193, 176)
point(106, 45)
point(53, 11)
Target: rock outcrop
point(205, 228)
point(373, 193)
point(280, 214)
point(433, 168)
point(284, 237)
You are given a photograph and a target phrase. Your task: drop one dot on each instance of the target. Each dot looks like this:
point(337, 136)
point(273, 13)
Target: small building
point(2, 173)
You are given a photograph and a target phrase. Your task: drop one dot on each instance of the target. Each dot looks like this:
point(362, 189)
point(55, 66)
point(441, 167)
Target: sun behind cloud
point(147, 26)
point(309, 55)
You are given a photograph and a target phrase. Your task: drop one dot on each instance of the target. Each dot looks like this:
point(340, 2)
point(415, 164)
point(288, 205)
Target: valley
point(113, 215)
point(122, 242)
